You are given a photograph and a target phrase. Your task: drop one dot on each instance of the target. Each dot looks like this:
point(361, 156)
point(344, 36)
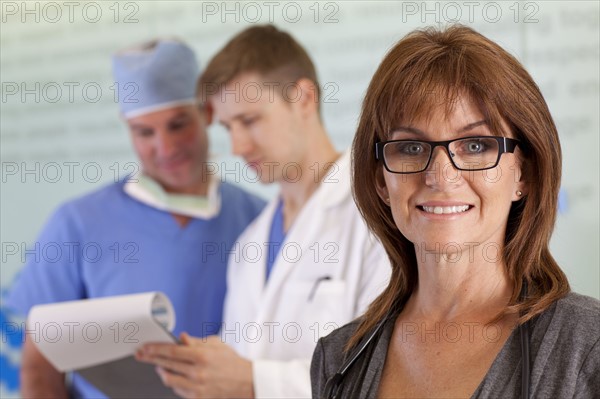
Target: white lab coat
point(329, 270)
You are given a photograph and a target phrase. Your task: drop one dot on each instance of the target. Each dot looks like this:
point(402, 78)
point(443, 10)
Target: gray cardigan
point(564, 356)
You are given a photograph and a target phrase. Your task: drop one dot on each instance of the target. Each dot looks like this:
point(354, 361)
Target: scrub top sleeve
point(52, 266)
point(281, 379)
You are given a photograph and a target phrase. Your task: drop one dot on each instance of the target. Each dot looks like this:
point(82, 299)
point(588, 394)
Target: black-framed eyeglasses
point(467, 153)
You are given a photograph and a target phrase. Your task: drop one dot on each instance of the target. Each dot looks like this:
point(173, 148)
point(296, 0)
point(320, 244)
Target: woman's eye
point(411, 148)
point(474, 147)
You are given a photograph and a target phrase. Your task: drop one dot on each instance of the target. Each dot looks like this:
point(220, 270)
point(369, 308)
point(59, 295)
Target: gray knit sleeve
point(318, 376)
point(588, 380)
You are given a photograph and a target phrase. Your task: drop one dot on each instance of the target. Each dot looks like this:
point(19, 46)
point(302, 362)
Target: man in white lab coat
point(307, 264)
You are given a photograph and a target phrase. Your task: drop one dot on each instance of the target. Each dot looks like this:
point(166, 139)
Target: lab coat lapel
point(282, 269)
point(303, 231)
point(254, 272)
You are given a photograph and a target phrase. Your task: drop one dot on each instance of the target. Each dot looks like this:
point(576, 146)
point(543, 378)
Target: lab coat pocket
point(323, 302)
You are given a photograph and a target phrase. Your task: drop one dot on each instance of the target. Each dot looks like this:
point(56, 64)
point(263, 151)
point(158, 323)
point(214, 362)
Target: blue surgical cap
point(157, 75)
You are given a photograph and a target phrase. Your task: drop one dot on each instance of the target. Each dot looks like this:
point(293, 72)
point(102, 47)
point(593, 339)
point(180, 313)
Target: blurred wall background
point(61, 135)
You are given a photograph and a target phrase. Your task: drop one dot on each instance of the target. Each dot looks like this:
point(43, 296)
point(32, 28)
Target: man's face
point(172, 147)
point(265, 129)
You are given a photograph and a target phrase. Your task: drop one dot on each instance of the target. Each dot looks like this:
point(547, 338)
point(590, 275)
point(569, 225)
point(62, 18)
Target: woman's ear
point(521, 175)
point(521, 191)
point(380, 186)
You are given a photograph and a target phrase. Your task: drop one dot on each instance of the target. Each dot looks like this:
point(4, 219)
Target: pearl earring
point(519, 193)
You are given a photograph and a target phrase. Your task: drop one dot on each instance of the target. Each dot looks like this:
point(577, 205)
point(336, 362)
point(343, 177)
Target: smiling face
point(443, 205)
point(172, 147)
point(264, 129)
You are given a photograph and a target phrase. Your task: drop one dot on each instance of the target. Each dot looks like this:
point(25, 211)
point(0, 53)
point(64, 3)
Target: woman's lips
point(439, 210)
point(444, 208)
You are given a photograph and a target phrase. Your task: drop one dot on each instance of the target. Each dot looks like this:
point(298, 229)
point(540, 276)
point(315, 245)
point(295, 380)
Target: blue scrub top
point(276, 238)
point(107, 243)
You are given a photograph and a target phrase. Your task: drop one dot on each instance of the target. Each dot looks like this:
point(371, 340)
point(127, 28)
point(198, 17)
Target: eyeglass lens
point(468, 154)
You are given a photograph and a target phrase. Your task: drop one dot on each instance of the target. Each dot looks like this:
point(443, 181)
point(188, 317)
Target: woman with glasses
point(457, 168)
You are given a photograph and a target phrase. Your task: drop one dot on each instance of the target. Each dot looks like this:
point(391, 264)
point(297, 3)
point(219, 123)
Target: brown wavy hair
point(431, 67)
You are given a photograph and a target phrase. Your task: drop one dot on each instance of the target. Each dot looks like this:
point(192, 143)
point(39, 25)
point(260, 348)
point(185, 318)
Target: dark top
point(564, 357)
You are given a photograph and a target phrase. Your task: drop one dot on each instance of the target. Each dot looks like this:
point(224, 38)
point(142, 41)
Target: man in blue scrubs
point(168, 230)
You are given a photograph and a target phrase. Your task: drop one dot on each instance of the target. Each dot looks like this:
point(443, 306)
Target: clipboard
point(97, 338)
point(127, 378)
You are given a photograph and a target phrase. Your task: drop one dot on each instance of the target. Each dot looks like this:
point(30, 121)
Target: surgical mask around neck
point(148, 191)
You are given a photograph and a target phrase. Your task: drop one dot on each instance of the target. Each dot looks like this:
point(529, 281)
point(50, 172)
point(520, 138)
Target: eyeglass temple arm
point(378, 150)
point(509, 144)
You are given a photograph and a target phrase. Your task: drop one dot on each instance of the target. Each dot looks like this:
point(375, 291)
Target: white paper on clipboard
point(79, 334)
